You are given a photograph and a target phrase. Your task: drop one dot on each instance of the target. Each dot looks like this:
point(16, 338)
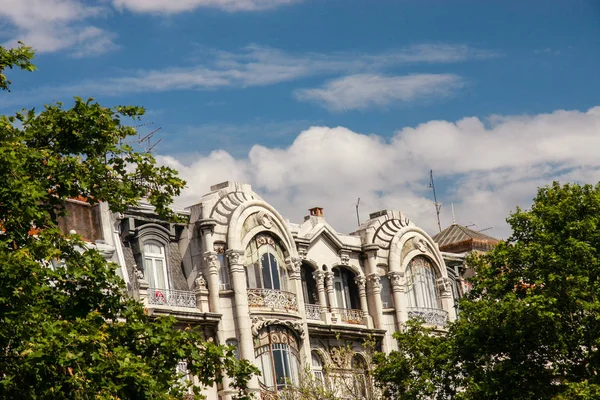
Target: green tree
point(69, 332)
point(530, 327)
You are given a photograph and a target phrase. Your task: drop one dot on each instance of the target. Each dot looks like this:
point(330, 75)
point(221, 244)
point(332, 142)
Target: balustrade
point(170, 297)
point(349, 315)
point(313, 311)
point(273, 299)
point(432, 316)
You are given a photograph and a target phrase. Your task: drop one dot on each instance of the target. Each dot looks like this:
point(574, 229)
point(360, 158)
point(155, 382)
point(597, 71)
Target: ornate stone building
point(287, 296)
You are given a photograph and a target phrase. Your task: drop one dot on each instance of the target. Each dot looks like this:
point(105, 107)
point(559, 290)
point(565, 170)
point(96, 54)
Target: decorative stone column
point(397, 282)
point(241, 311)
point(361, 282)
point(212, 273)
point(294, 266)
point(377, 312)
point(329, 289)
point(444, 286)
point(320, 279)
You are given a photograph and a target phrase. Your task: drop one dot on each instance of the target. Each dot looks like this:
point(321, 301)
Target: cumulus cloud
point(363, 91)
point(485, 167)
point(177, 6)
point(52, 25)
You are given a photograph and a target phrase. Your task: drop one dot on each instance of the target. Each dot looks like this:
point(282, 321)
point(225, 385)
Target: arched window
point(386, 292)
point(421, 288)
point(276, 352)
point(309, 285)
point(317, 368)
point(265, 267)
point(155, 265)
point(359, 369)
point(346, 291)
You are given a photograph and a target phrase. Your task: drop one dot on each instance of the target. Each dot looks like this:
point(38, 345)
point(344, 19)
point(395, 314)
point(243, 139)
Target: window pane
point(149, 273)
point(266, 368)
point(279, 368)
point(386, 292)
point(339, 295)
point(274, 272)
point(266, 271)
point(153, 248)
point(160, 274)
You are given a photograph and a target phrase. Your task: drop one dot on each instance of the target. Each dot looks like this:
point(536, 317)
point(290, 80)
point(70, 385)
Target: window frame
point(150, 258)
point(421, 283)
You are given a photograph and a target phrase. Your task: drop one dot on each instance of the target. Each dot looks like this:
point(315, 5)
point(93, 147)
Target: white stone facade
point(284, 293)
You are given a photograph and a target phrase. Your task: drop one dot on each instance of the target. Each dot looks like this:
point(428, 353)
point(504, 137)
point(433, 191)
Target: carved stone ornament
point(329, 279)
point(200, 282)
point(211, 259)
point(234, 257)
point(375, 281)
point(293, 264)
point(420, 244)
point(344, 258)
point(360, 281)
point(302, 252)
point(260, 322)
point(340, 357)
point(395, 278)
point(265, 219)
point(319, 277)
point(444, 285)
point(138, 272)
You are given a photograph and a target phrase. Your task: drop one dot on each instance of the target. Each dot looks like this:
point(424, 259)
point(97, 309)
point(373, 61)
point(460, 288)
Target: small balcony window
point(155, 265)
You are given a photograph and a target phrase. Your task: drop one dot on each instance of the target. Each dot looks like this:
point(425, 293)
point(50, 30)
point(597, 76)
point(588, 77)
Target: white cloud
point(262, 66)
point(177, 6)
point(363, 91)
point(486, 168)
point(53, 25)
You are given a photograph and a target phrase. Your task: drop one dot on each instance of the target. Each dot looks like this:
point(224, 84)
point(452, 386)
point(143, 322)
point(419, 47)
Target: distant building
point(286, 295)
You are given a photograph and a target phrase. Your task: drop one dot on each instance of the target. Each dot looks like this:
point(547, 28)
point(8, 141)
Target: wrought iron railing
point(431, 316)
point(349, 315)
point(313, 311)
point(273, 299)
point(170, 297)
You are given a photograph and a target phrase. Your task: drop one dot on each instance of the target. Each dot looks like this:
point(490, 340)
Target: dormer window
point(155, 265)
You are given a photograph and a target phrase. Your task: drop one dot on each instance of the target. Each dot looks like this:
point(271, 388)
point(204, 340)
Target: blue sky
point(233, 83)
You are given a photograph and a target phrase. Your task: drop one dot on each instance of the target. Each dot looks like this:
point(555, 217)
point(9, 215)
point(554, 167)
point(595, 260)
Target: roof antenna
point(453, 217)
point(437, 205)
point(357, 215)
point(147, 140)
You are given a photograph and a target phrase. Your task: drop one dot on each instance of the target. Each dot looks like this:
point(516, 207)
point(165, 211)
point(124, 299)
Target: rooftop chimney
point(316, 211)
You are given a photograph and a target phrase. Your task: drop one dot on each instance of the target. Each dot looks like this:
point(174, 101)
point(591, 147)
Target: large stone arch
point(353, 268)
point(428, 248)
point(270, 217)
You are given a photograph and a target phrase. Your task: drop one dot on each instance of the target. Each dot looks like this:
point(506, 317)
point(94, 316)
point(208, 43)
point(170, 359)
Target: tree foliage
point(69, 332)
point(530, 327)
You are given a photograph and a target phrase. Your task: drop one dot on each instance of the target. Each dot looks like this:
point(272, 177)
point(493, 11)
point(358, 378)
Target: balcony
point(349, 315)
point(272, 299)
point(432, 316)
point(313, 311)
point(174, 298)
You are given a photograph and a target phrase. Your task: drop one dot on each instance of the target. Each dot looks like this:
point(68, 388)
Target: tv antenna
point(147, 140)
point(357, 215)
point(438, 206)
